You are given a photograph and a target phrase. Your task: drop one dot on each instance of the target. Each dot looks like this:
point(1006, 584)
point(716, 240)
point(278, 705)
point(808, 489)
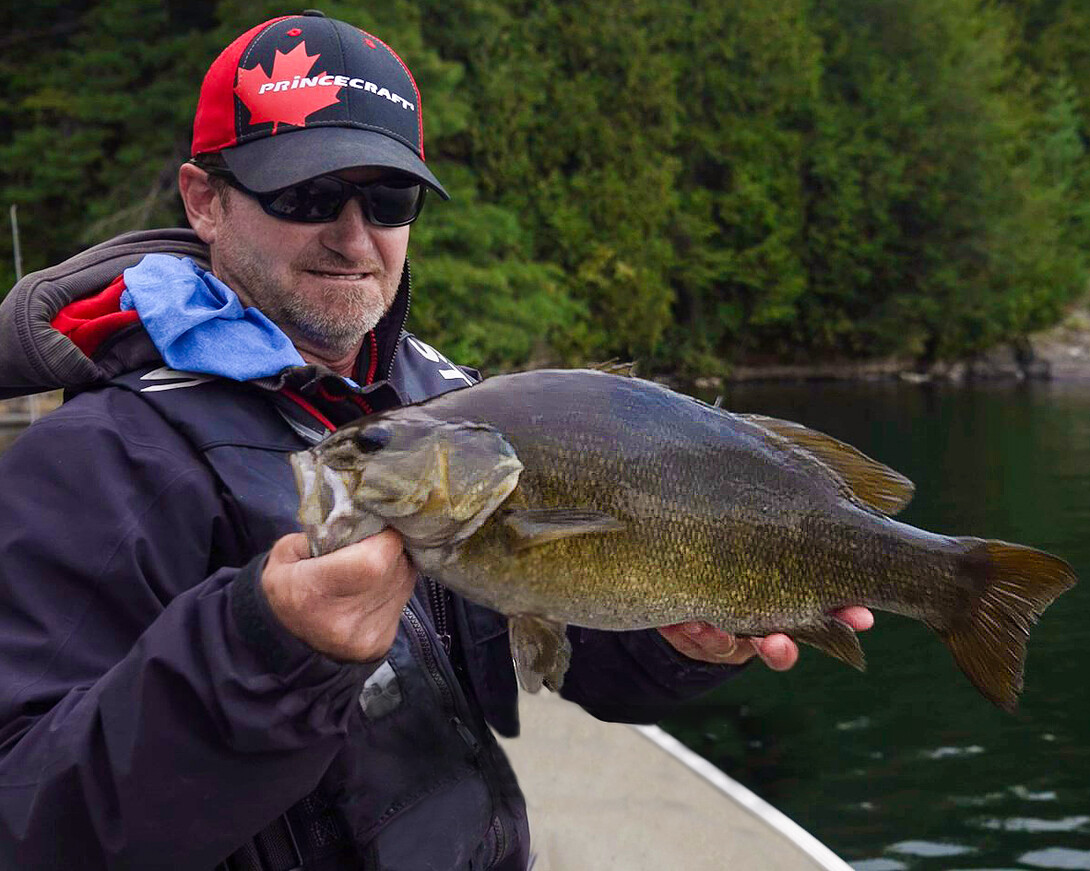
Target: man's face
point(324, 285)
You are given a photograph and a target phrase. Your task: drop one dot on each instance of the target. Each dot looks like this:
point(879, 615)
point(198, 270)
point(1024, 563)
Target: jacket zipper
point(476, 750)
point(438, 601)
point(501, 840)
point(429, 658)
point(404, 319)
point(449, 702)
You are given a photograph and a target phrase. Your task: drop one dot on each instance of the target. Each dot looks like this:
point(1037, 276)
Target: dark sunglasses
point(319, 200)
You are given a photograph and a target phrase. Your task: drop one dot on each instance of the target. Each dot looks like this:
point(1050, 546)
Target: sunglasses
point(319, 200)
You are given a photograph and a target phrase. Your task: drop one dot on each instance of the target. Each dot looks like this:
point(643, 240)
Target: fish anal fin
point(540, 650)
point(988, 640)
point(834, 637)
point(873, 483)
point(531, 527)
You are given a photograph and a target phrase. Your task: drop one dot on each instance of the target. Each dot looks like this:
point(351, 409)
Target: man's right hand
point(345, 604)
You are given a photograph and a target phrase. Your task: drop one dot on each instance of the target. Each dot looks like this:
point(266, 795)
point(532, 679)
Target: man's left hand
point(779, 652)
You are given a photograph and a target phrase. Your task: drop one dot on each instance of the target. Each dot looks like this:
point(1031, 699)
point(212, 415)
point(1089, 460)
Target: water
point(906, 766)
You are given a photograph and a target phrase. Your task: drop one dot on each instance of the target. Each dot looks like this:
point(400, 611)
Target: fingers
point(856, 616)
point(375, 562)
point(777, 651)
point(290, 549)
point(346, 604)
point(703, 642)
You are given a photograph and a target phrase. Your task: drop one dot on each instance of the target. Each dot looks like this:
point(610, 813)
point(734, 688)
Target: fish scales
point(582, 497)
point(698, 509)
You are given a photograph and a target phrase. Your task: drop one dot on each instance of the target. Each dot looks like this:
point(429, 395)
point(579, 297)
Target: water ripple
point(879, 865)
point(1029, 824)
point(1028, 795)
point(952, 752)
point(1057, 857)
point(929, 848)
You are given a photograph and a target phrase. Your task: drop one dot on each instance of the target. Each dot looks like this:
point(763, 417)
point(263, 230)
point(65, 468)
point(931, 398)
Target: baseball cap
point(305, 95)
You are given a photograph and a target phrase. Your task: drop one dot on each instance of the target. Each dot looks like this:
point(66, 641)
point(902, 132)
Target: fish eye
point(373, 438)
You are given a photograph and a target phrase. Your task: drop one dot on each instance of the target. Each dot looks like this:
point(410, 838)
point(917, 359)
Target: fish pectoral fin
point(834, 637)
point(873, 483)
point(533, 526)
point(540, 650)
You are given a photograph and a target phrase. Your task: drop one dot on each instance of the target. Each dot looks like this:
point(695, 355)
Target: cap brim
point(275, 162)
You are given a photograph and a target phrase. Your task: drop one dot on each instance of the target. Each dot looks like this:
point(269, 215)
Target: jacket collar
point(35, 356)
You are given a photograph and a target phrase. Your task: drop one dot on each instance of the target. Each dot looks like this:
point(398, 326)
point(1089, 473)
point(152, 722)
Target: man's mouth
point(339, 276)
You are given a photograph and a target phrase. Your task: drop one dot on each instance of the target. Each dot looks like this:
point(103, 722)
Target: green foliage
point(577, 106)
point(750, 71)
point(102, 107)
point(479, 295)
point(687, 184)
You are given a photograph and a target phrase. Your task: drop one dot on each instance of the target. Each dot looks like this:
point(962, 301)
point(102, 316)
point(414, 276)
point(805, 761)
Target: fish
point(590, 498)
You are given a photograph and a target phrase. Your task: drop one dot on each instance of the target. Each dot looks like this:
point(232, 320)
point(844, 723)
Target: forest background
point(693, 185)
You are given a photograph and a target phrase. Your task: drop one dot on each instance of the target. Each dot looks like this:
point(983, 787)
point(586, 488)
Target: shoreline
point(1061, 353)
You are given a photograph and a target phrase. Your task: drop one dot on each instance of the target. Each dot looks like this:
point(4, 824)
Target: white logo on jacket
point(450, 373)
point(163, 373)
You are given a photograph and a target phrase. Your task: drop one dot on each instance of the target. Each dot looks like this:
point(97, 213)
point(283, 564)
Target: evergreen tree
point(689, 185)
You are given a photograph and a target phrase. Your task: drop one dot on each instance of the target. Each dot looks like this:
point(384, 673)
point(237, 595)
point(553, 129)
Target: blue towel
point(198, 323)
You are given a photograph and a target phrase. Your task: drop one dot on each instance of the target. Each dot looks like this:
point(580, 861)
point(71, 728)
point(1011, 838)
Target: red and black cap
point(304, 95)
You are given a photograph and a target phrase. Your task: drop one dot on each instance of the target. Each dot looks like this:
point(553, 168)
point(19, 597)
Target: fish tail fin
point(1013, 585)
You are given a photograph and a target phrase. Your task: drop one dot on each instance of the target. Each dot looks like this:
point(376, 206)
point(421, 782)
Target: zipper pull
point(467, 735)
point(438, 599)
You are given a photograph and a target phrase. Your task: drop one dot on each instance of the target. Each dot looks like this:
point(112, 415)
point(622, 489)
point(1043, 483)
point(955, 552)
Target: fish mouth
point(436, 491)
point(327, 514)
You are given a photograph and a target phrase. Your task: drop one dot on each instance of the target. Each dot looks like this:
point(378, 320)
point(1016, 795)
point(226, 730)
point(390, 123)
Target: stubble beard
point(336, 320)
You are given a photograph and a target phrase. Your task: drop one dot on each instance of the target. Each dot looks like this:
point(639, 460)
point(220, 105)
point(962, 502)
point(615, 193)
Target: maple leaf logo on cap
point(273, 98)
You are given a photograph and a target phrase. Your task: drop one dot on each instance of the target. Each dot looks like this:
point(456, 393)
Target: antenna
point(15, 242)
point(33, 402)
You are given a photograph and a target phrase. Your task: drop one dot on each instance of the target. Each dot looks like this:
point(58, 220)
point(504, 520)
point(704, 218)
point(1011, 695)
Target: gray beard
point(337, 331)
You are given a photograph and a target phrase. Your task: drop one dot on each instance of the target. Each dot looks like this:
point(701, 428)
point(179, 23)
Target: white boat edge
point(752, 802)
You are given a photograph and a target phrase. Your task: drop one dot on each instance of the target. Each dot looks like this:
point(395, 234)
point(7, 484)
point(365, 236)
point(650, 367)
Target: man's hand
point(346, 604)
point(704, 642)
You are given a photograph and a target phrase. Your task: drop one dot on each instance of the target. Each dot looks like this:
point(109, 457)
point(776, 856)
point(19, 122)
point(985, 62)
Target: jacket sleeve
point(635, 677)
point(143, 721)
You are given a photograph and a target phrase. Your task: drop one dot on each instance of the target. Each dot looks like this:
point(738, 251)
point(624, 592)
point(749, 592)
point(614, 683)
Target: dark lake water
point(906, 766)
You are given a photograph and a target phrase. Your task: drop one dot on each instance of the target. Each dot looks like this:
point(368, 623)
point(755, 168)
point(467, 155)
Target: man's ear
point(202, 204)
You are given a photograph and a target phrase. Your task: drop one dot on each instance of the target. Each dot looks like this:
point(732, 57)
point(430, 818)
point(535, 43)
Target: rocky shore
point(1061, 353)
point(1058, 354)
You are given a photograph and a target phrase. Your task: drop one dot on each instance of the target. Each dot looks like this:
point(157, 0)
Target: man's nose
point(351, 235)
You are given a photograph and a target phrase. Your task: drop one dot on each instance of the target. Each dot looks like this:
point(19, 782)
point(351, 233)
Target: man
point(180, 685)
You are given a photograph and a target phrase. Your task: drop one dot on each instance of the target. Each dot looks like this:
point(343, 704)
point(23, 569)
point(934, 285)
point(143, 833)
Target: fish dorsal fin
point(615, 366)
point(873, 483)
point(534, 526)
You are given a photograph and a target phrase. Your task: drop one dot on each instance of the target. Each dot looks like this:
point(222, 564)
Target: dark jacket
point(153, 711)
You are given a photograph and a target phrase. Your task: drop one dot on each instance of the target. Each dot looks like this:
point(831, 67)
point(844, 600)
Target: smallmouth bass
point(582, 497)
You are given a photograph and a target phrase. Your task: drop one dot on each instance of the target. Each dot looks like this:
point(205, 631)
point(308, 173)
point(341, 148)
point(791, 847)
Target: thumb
point(291, 548)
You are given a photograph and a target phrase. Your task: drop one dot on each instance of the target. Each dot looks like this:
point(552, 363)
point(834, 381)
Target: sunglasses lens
point(394, 205)
point(319, 199)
